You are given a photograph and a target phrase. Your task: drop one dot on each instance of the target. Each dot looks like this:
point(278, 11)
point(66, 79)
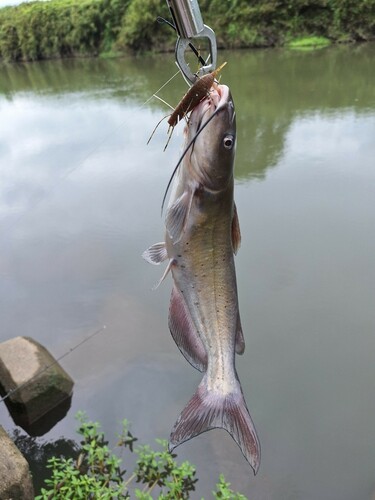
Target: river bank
point(70, 28)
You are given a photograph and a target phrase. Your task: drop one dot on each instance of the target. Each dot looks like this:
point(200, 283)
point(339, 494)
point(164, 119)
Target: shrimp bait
point(198, 91)
point(193, 96)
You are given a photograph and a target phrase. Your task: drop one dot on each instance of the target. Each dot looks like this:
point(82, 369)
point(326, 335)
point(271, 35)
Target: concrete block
point(44, 394)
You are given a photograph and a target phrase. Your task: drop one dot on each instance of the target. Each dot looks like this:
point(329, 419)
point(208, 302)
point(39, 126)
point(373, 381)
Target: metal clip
point(189, 25)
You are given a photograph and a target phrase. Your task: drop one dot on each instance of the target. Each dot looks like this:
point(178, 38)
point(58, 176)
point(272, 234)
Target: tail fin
point(208, 410)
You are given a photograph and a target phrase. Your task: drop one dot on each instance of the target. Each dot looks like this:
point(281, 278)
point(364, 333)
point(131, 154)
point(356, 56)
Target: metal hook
point(181, 46)
point(161, 20)
point(189, 25)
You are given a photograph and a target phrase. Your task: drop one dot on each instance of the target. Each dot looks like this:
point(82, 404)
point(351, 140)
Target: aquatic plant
point(98, 472)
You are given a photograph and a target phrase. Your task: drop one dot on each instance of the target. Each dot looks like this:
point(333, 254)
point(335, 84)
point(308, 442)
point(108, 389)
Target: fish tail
point(209, 409)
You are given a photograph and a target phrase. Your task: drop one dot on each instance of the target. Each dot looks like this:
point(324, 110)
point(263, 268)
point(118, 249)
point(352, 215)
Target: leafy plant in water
point(224, 492)
point(98, 473)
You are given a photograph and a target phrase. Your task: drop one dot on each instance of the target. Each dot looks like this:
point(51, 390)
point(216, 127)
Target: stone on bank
point(44, 389)
point(15, 479)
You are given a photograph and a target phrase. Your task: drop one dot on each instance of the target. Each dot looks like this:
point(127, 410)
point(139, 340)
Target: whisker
point(185, 151)
point(156, 126)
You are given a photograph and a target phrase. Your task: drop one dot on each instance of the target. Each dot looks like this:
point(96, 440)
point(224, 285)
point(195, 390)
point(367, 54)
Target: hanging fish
point(202, 236)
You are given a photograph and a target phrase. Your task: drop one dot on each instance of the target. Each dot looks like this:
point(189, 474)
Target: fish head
point(212, 132)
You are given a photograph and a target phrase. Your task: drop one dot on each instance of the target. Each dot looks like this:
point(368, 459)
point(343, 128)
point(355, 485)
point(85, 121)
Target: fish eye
point(228, 141)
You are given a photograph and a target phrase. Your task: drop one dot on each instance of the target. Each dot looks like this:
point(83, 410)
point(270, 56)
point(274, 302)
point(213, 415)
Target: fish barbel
point(202, 236)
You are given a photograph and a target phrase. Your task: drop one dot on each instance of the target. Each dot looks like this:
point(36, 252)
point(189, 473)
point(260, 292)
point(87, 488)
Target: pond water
point(80, 198)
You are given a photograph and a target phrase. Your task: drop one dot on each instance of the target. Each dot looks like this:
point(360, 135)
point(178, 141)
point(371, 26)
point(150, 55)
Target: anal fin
point(184, 332)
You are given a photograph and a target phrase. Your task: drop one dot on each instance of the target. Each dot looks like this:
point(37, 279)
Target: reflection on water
point(273, 87)
point(37, 453)
point(79, 202)
point(43, 424)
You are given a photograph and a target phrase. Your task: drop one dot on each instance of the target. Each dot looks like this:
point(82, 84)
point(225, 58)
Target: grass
point(309, 42)
point(98, 472)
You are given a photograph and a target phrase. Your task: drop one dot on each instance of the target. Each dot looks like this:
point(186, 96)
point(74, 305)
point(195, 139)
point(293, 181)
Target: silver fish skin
point(202, 235)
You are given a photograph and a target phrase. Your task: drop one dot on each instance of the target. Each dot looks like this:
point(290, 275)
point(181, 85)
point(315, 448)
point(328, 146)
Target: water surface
point(80, 197)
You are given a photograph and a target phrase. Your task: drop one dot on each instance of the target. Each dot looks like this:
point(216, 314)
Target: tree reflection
point(271, 89)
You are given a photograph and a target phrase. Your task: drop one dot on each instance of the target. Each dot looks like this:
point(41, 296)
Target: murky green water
point(80, 195)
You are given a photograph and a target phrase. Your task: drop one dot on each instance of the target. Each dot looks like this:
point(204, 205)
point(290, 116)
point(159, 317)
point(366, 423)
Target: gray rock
point(44, 394)
point(15, 483)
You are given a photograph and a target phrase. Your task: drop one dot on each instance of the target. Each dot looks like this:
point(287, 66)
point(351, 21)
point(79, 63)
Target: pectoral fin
point(177, 214)
point(184, 332)
point(236, 231)
point(156, 254)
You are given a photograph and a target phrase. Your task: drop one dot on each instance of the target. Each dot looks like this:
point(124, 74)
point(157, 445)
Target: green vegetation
point(97, 471)
point(309, 42)
point(59, 28)
point(66, 28)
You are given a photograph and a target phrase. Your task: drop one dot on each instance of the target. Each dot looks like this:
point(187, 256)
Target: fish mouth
point(218, 97)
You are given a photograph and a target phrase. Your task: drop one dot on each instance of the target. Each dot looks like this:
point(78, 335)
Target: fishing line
point(161, 88)
point(45, 196)
point(38, 200)
point(25, 384)
point(42, 198)
point(55, 185)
